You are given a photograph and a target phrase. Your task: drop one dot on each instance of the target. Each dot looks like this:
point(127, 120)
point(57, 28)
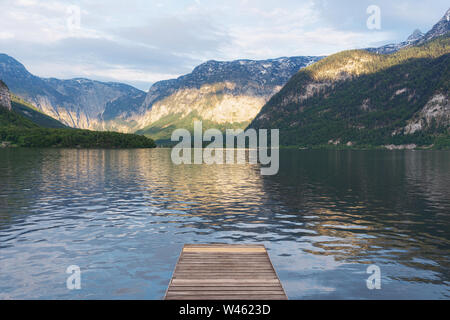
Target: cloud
point(142, 41)
point(6, 35)
point(180, 35)
point(299, 30)
point(44, 43)
point(321, 41)
point(399, 18)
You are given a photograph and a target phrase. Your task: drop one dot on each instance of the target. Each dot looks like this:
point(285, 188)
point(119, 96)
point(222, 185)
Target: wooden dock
point(224, 272)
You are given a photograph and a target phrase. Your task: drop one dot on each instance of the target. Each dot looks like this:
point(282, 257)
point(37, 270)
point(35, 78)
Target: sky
point(139, 42)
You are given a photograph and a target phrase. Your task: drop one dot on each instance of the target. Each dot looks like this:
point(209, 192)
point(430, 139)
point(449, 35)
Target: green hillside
point(28, 111)
point(364, 99)
point(162, 129)
point(70, 138)
point(10, 119)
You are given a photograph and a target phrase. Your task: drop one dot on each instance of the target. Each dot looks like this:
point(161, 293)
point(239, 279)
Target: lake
point(123, 216)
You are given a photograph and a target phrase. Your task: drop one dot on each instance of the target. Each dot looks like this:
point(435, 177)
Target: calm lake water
point(123, 217)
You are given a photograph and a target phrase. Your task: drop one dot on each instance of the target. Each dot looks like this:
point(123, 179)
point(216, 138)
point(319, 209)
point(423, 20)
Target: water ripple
point(123, 216)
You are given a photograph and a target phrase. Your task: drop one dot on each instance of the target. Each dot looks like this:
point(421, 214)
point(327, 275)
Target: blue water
point(123, 216)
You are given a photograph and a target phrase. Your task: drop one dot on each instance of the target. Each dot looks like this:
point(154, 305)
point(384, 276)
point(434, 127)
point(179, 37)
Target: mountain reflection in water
point(123, 216)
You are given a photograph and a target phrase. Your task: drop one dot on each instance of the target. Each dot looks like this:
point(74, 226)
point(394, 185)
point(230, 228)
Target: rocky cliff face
point(436, 113)
point(5, 96)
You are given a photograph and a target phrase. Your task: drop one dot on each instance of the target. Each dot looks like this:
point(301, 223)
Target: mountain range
point(214, 92)
point(392, 94)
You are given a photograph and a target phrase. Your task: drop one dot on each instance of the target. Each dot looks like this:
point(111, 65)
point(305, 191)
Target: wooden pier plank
point(224, 272)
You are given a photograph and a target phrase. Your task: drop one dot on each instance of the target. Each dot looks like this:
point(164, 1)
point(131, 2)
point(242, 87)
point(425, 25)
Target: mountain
point(417, 37)
point(358, 98)
point(23, 126)
point(221, 94)
point(76, 103)
point(33, 114)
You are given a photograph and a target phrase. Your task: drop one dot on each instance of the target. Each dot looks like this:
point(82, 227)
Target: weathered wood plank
point(221, 269)
point(237, 294)
point(224, 246)
point(225, 284)
point(224, 288)
point(215, 281)
point(224, 272)
point(225, 250)
point(226, 297)
point(248, 275)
